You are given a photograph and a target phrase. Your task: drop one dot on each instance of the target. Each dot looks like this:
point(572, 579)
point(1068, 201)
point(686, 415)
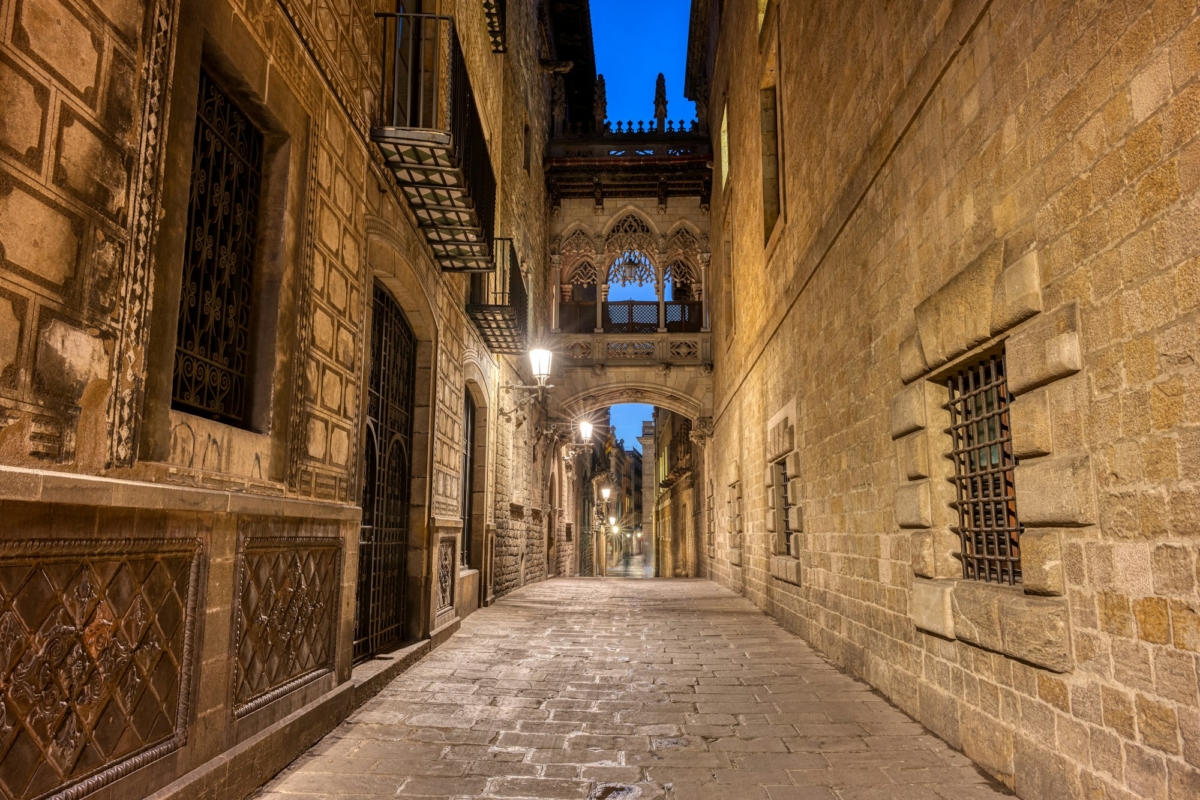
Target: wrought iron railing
point(432, 136)
point(684, 317)
point(630, 316)
point(499, 302)
point(577, 317)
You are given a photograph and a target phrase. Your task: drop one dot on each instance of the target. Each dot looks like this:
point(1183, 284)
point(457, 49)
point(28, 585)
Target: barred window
point(788, 543)
point(983, 472)
point(216, 303)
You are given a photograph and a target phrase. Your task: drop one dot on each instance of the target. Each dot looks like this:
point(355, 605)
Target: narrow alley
point(618, 689)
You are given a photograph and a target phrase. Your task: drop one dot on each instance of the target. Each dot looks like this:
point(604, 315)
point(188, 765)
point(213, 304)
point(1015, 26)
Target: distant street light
point(605, 492)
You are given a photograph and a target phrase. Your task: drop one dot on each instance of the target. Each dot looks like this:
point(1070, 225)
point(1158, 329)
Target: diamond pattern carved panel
point(96, 644)
point(286, 617)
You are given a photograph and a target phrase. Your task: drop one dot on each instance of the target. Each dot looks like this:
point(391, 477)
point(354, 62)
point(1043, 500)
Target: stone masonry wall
point(990, 172)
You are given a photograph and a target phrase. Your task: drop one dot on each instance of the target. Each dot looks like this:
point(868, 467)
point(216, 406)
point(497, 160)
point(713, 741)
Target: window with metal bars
point(788, 544)
point(216, 302)
point(983, 472)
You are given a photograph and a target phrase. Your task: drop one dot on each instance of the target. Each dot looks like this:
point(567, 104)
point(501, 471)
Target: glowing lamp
point(540, 360)
point(585, 430)
point(612, 521)
point(605, 492)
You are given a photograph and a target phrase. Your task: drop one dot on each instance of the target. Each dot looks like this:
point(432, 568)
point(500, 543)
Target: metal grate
point(684, 317)
point(631, 316)
point(788, 542)
point(383, 539)
point(216, 302)
point(983, 472)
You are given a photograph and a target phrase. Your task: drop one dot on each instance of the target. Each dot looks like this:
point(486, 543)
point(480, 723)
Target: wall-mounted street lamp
point(605, 492)
point(585, 430)
point(540, 361)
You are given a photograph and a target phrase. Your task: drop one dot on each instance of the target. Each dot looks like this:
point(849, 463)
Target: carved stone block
point(1030, 423)
point(1056, 492)
point(958, 315)
point(96, 644)
point(912, 505)
point(1036, 629)
point(1044, 350)
point(930, 607)
point(1017, 294)
point(286, 617)
point(1041, 562)
point(907, 410)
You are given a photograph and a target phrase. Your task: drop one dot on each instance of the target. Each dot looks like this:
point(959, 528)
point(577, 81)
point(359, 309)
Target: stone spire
point(600, 104)
point(660, 102)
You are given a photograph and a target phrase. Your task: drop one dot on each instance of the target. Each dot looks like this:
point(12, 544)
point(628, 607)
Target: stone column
point(661, 286)
point(556, 271)
point(601, 296)
point(706, 323)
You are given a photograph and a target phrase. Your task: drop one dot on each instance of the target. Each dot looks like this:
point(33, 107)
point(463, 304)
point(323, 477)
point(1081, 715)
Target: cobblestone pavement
point(622, 689)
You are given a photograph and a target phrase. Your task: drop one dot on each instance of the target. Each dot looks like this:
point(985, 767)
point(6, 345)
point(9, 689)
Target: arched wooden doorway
point(383, 538)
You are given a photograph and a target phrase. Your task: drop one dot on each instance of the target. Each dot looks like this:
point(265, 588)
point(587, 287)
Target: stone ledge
point(47, 486)
point(1003, 619)
point(786, 569)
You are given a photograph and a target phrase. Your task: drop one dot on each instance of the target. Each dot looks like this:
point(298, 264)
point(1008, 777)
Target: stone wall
point(991, 173)
point(176, 543)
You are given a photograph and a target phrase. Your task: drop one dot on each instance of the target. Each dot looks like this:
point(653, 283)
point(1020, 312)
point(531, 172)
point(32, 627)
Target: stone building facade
point(181, 544)
point(956, 391)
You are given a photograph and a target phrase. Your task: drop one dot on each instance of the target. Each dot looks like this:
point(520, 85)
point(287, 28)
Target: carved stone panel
point(96, 643)
point(445, 574)
point(286, 616)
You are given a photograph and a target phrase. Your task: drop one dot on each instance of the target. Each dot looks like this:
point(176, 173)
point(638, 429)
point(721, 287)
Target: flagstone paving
point(615, 689)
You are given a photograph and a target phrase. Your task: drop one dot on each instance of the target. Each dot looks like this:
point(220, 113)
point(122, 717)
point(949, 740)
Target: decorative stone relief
point(445, 574)
point(286, 617)
point(96, 643)
point(129, 357)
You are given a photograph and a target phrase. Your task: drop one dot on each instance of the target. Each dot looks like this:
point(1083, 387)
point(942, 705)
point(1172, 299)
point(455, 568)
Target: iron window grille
point(983, 472)
point(216, 303)
point(788, 544)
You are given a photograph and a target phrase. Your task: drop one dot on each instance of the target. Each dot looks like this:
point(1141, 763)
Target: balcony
point(432, 139)
point(499, 302)
point(632, 316)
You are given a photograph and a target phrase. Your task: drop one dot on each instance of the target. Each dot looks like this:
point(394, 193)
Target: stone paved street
point(619, 689)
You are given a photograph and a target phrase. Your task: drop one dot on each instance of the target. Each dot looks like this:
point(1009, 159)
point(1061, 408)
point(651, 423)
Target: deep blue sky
point(636, 40)
point(627, 420)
